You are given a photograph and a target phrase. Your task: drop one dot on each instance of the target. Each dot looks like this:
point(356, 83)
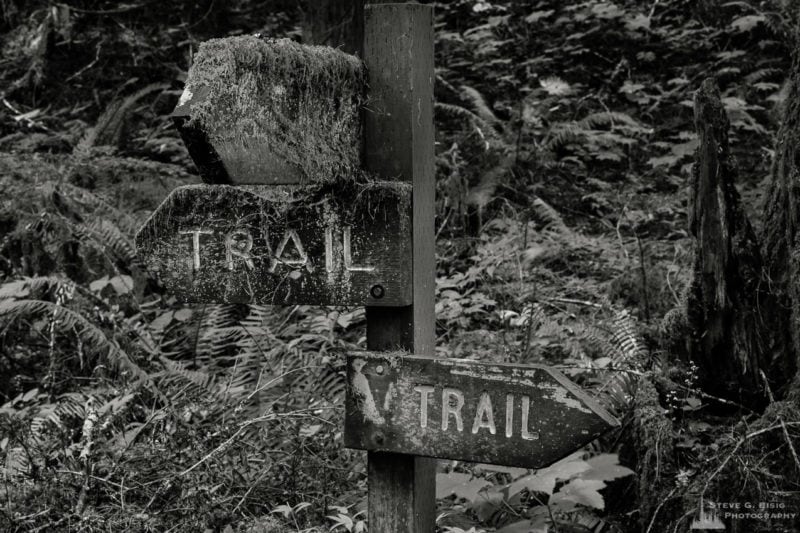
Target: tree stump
point(730, 310)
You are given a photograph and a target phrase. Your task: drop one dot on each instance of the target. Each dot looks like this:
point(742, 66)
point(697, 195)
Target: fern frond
point(110, 125)
point(332, 383)
point(114, 240)
point(247, 375)
point(763, 74)
point(548, 217)
point(94, 203)
point(596, 341)
point(780, 26)
point(220, 316)
point(482, 193)
point(625, 337)
point(105, 238)
point(218, 342)
point(555, 86)
point(325, 382)
point(68, 321)
point(482, 128)
point(479, 105)
point(455, 112)
point(536, 317)
point(27, 286)
point(181, 380)
point(305, 376)
point(608, 118)
point(585, 342)
point(563, 135)
point(71, 405)
point(446, 85)
point(257, 316)
point(618, 391)
point(39, 424)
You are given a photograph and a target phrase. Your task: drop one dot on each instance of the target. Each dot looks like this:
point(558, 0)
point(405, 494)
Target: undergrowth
point(564, 140)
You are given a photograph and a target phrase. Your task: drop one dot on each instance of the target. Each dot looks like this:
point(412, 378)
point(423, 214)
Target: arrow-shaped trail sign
point(518, 415)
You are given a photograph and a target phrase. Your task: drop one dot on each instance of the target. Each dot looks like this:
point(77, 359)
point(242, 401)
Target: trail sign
point(516, 415)
point(275, 227)
point(283, 244)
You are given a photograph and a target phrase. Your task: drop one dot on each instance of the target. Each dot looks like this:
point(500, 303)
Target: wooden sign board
point(516, 415)
point(283, 244)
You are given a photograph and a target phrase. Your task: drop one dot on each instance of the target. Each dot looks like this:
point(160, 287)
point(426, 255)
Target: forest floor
point(565, 143)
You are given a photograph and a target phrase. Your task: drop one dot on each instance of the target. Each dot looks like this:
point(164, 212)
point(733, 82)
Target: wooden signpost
point(398, 123)
point(272, 237)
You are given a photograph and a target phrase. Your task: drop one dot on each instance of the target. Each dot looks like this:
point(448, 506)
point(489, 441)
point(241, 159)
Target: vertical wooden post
point(398, 52)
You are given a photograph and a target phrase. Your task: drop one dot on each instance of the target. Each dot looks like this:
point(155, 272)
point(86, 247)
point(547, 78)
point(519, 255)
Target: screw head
point(377, 291)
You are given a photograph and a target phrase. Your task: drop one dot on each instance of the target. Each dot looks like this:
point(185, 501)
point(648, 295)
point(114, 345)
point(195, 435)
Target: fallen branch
point(658, 508)
point(739, 444)
point(783, 424)
point(576, 302)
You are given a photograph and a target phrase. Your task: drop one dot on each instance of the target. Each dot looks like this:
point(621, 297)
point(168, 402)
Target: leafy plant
point(567, 492)
point(344, 520)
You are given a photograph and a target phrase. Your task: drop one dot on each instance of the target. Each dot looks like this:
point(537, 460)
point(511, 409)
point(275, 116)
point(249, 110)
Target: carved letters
point(453, 403)
point(239, 243)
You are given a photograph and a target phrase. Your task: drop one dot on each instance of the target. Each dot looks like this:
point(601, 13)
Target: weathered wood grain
point(398, 125)
point(517, 415)
point(202, 152)
point(283, 244)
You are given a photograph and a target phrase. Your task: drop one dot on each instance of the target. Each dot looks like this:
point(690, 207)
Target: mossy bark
point(781, 238)
point(653, 442)
point(730, 310)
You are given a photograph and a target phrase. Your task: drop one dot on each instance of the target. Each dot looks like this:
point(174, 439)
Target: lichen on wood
point(276, 111)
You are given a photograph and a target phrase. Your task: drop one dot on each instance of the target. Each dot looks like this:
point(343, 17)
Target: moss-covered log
point(730, 310)
point(259, 111)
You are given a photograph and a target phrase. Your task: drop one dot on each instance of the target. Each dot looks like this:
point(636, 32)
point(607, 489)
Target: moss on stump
point(276, 111)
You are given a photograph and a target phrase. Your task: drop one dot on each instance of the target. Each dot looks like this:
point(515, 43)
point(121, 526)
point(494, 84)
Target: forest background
point(566, 140)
